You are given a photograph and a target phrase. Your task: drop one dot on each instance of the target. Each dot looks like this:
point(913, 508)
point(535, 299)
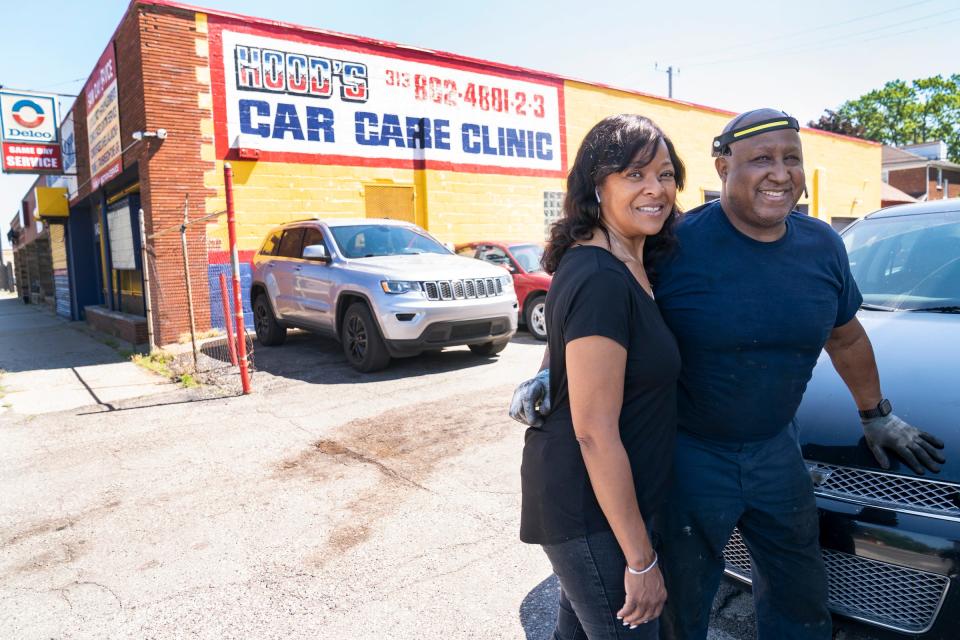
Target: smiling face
point(762, 181)
point(635, 202)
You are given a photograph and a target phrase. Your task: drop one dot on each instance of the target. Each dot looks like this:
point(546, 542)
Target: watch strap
point(882, 409)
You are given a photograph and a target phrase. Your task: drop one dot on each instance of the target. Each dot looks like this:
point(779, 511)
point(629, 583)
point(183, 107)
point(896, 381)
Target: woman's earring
point(596, 192)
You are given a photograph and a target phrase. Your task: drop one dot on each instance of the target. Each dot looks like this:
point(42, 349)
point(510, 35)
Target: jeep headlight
point(506, 281)
point(399, 286)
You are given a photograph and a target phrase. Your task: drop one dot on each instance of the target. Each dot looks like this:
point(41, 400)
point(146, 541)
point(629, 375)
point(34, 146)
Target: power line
point(846, 39)
point(818, 27)
point(60, 84)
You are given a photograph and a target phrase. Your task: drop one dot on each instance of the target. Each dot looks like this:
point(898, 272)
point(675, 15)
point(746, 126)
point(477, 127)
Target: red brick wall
point(914, 182)
point(133, 329)
point(157, 82)
point(173, 169)
point(953, 188)
point(911, 181)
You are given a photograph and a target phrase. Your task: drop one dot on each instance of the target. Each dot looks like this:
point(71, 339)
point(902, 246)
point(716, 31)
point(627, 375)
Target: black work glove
point(917, 448)
point(531, 400)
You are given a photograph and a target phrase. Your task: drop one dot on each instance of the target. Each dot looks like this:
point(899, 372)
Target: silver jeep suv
point(384, 288)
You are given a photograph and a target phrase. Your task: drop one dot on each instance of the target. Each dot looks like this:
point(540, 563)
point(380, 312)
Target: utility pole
point(669, 71)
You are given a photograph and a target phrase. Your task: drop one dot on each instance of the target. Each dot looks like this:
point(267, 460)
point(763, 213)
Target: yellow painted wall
point(470, 206)
point(462, 206)
point(270, 193)
point(852, 167)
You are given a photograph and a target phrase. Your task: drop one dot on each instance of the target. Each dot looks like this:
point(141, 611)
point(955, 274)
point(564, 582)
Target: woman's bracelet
point(640, 572)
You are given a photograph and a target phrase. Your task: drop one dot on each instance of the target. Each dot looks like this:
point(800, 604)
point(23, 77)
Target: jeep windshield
point(373, 240)
point(907, 263)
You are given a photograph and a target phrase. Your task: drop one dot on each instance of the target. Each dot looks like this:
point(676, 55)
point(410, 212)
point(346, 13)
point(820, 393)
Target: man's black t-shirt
point(594, 294)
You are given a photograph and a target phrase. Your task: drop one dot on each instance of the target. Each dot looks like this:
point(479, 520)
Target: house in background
point(890, 195)
point(920, 171)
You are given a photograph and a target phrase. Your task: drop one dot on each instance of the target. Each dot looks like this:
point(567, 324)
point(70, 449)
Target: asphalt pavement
point(327, 504)
point(50, 364)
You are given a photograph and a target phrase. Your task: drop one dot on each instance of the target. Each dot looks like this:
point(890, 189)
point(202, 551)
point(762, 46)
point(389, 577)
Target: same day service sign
point(298, 100)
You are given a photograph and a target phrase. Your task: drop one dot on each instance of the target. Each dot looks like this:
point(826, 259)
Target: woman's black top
point(594, 294)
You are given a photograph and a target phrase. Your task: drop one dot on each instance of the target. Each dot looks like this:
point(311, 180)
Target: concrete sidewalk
point(49, 364)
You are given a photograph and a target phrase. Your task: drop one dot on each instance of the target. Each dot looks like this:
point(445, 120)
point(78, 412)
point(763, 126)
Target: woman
point(600, 460)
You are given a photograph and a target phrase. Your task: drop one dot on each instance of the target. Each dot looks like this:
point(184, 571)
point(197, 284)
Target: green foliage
point(158, 362)
point(188, 381)
point(835, 123)
point(902, 113)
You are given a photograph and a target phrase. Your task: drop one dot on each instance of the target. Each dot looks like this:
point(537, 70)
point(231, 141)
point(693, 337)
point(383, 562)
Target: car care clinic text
point(298, 74)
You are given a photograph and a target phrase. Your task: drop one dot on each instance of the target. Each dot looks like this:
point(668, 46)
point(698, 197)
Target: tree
point(835, 123)
point(902, 113)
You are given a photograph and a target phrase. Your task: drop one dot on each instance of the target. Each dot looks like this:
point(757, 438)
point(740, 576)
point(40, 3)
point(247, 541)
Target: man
point(753, 293)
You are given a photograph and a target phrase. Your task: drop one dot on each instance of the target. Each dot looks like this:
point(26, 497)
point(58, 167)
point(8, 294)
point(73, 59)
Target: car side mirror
point(316, 252)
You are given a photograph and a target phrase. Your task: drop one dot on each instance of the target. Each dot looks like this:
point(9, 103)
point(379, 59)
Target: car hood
point(918, 355)
point(427, 266)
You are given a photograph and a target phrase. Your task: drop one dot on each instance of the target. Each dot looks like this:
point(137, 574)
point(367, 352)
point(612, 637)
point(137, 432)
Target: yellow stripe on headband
point(760, 127)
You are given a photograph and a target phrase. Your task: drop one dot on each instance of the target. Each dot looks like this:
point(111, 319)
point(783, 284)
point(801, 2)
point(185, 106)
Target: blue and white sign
point(297, 101)
point(28, 117)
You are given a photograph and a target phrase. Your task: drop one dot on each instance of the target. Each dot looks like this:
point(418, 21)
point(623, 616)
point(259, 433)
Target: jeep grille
point(462, 289)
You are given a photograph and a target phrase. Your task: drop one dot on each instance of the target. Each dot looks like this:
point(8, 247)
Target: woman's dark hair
point(612, 145)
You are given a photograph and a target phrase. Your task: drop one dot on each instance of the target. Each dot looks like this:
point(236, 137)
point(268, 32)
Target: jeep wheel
point(362, 344)
point(270, 333)
point(488, 348)
point(535, 316)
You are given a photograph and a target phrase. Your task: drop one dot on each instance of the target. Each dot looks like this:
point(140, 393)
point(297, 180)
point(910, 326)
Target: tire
point(488, 349)
point(270, 333)
point(360, 337)
point(535, 316)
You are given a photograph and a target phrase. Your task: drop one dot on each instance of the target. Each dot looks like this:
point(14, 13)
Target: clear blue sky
point(798, 56)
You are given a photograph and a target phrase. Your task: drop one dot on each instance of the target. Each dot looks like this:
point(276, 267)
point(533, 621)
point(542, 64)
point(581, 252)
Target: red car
point(522, 259)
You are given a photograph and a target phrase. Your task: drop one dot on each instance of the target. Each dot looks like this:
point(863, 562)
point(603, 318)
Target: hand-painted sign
point(317, 102)
point(103, 120)
point(31, 139)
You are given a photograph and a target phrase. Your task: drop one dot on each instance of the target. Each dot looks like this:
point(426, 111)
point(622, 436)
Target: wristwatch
point(882, 409)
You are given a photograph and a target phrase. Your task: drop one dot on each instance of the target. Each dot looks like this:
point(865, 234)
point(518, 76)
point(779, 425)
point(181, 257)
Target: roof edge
point(174, 4)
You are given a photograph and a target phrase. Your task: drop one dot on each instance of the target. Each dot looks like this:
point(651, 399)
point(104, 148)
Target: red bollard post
point(235, 264)
point(227, 320)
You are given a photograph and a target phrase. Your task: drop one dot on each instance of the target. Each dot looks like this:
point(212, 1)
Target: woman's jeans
point(590, 569)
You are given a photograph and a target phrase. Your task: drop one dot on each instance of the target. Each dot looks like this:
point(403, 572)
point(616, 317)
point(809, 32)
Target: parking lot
point(328, 504)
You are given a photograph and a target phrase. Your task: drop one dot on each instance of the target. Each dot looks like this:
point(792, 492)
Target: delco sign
point(29, 117)
point(28, 128)
point(313, 99)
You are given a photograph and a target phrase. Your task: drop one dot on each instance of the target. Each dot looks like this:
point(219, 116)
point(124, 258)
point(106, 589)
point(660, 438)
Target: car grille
point(886, 490)
point(462, 289)
point(876, 592)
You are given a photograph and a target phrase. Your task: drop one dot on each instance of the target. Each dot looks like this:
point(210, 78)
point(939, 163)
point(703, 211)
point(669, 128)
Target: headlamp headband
point(724, 140)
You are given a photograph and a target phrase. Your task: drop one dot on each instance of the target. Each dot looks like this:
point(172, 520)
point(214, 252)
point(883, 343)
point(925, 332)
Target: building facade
point(315, 122)
point(922, 171)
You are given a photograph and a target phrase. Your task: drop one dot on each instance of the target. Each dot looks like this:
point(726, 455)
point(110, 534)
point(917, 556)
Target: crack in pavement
point(334, 448)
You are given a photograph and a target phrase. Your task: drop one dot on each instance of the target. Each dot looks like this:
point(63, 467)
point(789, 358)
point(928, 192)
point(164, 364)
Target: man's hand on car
point(917, 448)
point(531, 400)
